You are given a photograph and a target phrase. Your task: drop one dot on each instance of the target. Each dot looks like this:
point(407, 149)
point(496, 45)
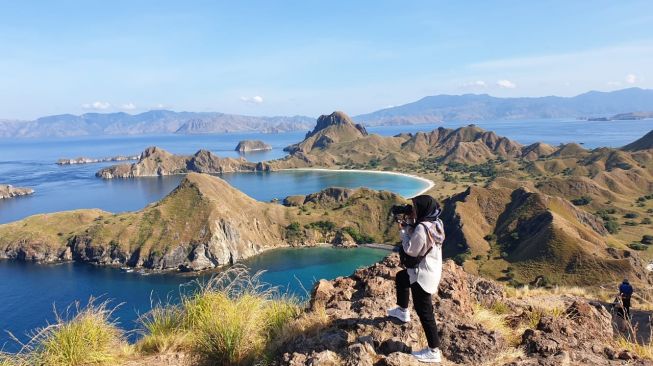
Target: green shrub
point(324, 226)
point(630, 223)
point(358, 237)
point(490, 237)
point(637, 246)
point(631, 215)
point(647, 239)
point(461, 258)
point(646, 221)
point(612, 226)
point(582, 201)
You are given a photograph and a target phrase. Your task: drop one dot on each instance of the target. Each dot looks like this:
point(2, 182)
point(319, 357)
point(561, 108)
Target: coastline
point(429, 182)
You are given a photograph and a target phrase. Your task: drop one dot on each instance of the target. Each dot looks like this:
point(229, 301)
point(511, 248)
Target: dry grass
point(88, 337)
point(233, 319)
point(506, 356)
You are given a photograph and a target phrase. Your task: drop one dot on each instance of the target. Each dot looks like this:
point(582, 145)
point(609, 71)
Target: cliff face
point(252, 145)
point(202, 224)
point(155, 161)
point(9, 191)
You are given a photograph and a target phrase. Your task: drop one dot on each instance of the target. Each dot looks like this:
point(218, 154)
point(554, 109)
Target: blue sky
point(310, 57)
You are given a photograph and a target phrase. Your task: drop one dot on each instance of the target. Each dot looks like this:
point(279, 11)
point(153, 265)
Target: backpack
point(408, 261)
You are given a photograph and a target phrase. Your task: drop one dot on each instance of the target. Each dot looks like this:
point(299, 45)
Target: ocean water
point(31, 293)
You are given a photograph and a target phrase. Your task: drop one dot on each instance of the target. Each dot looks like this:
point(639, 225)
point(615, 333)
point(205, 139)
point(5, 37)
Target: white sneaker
point(404, 316)
point(428, 355)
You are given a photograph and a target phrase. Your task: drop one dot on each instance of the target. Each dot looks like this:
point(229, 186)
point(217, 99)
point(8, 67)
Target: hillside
point(202, 224)
point(151, 122)
point(342, 143)
point(644, 143)
point(536, 236)
point(434, 109)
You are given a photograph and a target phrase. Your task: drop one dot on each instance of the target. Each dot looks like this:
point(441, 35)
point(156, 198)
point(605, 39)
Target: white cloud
point(507, 84)
point(631, 78)
point(97, 105)
point(128, 106)
point(255, 99)
point(614, 83)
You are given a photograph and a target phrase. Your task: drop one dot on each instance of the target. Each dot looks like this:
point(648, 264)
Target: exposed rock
point(252, 145)
point(9, 191)
point(360, 333)
point(356, 306)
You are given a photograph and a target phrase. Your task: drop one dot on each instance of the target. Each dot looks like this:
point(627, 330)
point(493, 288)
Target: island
point(155, 161)
point(85, 160)
point(252, 145)
point(9, 191)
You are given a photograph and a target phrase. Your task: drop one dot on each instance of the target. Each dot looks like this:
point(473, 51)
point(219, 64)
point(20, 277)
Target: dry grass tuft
point(233, 319)
point(86, 338)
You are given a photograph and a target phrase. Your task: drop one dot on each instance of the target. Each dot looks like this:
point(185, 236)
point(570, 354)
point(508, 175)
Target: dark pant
point(626, 303)
point(423, 304)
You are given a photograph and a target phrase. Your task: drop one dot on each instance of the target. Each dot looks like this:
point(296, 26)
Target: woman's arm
point(413, 240)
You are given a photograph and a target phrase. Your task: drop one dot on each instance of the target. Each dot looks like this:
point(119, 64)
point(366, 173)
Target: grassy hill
point(202, 224)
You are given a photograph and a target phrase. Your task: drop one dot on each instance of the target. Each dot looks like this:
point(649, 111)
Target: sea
point(31, 294)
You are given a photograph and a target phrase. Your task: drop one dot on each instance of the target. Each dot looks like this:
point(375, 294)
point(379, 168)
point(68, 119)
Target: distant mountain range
point(476, 107)
point(152, 122)
point(432, 109)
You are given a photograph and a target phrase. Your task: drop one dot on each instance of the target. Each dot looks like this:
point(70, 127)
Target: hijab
point(426, 208)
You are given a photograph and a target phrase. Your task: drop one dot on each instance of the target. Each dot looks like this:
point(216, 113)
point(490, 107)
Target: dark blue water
point(30, 291)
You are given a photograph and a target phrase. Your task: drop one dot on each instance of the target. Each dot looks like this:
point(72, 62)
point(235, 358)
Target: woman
point(423, 238)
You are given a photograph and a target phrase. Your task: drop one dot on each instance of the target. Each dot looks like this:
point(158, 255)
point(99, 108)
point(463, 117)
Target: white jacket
point(416, 242)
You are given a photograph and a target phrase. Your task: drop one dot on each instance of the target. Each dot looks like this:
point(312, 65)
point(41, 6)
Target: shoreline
point(429, 182)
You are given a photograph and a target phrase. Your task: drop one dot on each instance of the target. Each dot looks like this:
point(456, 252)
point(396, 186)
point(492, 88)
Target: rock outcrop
point(358, 332)
point(334, 128)
point(252, 145)
point(9, 191)
point(155, 161)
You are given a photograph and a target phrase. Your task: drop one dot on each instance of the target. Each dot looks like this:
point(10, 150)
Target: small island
point(85, 160)
point(9, 191)
point(252, 145)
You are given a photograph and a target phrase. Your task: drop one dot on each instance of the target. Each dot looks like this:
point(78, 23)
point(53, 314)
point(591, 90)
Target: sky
point(310, 57)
